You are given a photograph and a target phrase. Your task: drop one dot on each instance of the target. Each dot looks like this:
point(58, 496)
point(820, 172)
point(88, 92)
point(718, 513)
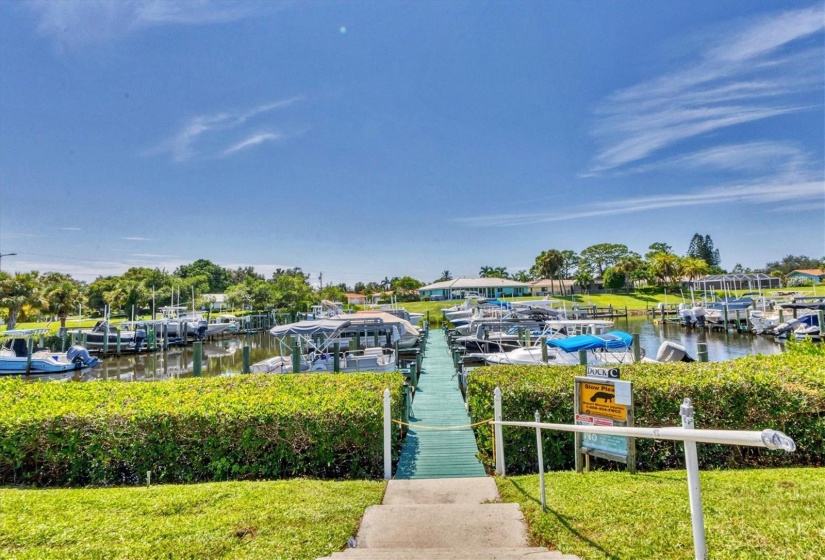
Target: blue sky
point(372, 139)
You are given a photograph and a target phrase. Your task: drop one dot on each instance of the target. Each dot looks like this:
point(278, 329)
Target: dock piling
point(197, 358)
point(246, 359)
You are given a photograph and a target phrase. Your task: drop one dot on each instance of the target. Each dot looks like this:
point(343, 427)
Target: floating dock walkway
point(440, 452)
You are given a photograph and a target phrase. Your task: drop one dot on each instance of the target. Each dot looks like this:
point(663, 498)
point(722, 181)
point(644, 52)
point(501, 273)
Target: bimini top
point(614, 340)
point(22, 333)
point(309, 328)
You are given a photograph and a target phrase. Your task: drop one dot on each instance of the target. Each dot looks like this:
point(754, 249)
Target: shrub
point(188, 430)
point(783, 392)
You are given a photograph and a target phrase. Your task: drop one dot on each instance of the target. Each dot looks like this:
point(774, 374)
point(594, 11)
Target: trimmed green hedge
point(782, 392)
point(187, 430)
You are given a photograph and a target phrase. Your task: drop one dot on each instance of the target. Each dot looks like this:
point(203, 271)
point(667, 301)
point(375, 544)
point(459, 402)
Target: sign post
point(602, 399)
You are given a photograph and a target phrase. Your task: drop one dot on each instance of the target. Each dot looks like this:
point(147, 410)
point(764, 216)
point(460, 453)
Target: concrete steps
point(452, 554)
point(444, 519)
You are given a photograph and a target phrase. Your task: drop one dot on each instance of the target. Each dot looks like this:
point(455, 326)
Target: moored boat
point(16, 359)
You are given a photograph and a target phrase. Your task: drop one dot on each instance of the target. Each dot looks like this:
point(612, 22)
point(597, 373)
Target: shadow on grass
point(564, 522)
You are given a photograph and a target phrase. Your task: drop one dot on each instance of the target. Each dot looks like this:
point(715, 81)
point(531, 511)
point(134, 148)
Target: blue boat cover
point(502, 304)
point(614, 340)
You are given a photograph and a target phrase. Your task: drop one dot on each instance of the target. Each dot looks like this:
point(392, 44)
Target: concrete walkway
point(446, 519)
point(438, 403)
point(441, 505)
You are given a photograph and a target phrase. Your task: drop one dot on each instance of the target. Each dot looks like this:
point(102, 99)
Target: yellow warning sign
point(599, 399)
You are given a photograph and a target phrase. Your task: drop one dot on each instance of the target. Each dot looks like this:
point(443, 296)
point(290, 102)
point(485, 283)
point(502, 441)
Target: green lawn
point(284, 519)
point(771, 513)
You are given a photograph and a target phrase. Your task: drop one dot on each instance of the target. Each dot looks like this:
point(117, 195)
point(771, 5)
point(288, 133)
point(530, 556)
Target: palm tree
point(548, 264)
point(693, 267)
point(522, 276)
point(486, 272)
point(446, 275)
point(61, 297)
point(628, 267)
point(583, 279)
point(18, 290)
point(664, 266)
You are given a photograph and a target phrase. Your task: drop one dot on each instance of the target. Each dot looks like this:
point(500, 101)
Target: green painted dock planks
point(438, 403)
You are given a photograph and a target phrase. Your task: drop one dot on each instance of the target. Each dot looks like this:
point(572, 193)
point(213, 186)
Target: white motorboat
point(317, 340)
point(614, 347)
point(104, 334)
point(15, 358)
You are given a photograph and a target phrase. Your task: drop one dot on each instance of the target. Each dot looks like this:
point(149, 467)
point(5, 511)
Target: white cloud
point(137, 239)
point(743, 157)
point(202, 132)
point(78, 22)
point(790, 189)
point(253, 140)
point(746, 75)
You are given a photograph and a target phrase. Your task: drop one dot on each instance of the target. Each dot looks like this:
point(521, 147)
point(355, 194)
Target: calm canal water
point(224, 356)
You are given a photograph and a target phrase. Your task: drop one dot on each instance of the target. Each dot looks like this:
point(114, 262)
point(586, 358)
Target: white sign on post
point(623, 392)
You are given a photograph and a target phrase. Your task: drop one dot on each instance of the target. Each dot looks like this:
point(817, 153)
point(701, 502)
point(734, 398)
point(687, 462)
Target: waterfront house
point(815, 275)
point(547, 287)
point(462, 288)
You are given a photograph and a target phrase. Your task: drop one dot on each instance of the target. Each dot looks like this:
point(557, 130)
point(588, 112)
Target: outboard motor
point(80, 356)
point(202, 326)
point(672, 352)
point(699, 315)
point(140, 336)
point(687, 315)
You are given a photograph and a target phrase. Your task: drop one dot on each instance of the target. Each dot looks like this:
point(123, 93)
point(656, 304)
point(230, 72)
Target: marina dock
point(439, 443)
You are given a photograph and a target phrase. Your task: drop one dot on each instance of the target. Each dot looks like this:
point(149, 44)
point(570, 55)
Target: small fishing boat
point(15, 357)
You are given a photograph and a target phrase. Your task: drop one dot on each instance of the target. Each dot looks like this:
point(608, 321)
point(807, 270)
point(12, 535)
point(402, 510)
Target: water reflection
point(220, 357)
point(722, 345)
point(225, 356)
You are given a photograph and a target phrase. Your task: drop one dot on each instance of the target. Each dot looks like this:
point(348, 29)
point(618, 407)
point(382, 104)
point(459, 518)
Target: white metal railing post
point(387, 436)
point(694, 490)
point(541, 463)
point(498, 433)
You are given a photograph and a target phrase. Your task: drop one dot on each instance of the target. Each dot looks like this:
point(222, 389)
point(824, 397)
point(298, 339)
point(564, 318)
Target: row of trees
point(619, 267)
point(56, 295)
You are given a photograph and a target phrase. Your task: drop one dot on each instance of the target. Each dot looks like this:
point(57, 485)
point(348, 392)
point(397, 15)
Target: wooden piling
point(702, 351)
point(30, 346)
point(197, 358)
point(246, 367)
point(296, 357)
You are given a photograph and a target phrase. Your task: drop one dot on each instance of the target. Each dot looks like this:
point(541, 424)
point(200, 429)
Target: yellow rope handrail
point(442, 428)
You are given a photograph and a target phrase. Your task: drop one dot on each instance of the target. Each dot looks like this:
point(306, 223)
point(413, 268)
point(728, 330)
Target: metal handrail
point(770, 439)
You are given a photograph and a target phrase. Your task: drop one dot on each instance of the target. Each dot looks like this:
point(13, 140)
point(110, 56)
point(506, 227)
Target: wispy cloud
point(213, 129)
point(253, 140)
point(137, 239)
point(794, 190)
point(152, 256)
point(744, 157)
point(74, 23)
point(745, 75)
point(71, 229)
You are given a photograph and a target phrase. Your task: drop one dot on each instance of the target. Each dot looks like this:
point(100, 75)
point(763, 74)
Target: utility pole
point(321, 280)
point(6, 255)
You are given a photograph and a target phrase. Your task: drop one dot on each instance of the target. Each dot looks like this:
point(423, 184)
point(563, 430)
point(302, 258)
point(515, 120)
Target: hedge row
point(782, 392)
point(188, 430)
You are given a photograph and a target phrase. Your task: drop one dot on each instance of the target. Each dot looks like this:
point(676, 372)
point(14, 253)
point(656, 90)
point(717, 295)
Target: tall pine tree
point(702, 248)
